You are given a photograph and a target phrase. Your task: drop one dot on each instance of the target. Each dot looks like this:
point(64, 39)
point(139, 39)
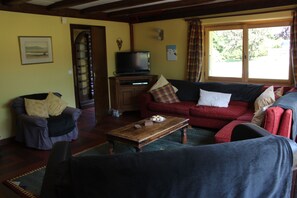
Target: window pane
point(225, 53)
point(269, 52)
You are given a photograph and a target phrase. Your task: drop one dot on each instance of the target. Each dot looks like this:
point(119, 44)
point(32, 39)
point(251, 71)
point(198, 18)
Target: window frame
point(245, 67)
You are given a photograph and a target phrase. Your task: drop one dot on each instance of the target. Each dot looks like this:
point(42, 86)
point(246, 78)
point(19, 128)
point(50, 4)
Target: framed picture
point(36, 49)
point(171, 52)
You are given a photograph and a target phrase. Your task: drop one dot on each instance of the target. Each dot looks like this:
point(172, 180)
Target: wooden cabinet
point(125, 90)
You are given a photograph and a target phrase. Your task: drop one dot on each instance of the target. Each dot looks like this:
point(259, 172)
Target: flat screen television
point(132, 63)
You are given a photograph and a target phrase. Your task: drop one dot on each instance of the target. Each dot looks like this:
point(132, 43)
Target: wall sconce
point(119, 42)
point(160, 36)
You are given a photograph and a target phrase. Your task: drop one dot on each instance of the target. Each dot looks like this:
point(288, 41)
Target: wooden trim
point(7, 141)
point(131, 37)
point(255, 12)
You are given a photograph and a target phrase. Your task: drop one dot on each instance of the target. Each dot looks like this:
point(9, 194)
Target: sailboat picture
point(36, 50)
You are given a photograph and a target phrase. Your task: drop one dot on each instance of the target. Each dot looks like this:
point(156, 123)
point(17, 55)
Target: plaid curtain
point(194, 61)
point(294, 47)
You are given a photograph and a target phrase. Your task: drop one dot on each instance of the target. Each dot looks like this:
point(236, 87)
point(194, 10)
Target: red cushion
point(224, 135)
point(247, 116)
point(272, 119)
point(165, 94)
point(232, 112)
point(181, 108)
point(286, 124)
point(207, 122)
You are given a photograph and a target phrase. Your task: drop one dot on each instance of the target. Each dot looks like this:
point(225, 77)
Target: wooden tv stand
point(125, 90)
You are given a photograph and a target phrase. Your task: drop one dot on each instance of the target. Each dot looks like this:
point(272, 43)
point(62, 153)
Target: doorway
point(90, 68)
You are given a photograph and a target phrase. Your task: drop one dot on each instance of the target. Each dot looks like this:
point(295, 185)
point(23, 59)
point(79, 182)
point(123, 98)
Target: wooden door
point(98, 86)
point(98, 38)
point(84, 69)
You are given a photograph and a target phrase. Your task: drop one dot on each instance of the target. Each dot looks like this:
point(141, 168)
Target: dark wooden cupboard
point(125, 91)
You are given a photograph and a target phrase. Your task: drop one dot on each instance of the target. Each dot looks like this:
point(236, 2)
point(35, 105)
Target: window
point(248, 52)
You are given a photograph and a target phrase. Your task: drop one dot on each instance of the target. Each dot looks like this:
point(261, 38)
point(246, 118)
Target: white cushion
point(266, 98)
point(160, 83)
point(216, 99)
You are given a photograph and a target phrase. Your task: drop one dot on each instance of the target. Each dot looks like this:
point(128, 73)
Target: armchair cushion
point(36, 108)
point(55, 123)
point(55, 104)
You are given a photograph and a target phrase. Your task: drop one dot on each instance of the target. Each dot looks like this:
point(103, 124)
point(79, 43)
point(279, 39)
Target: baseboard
point(6, 141)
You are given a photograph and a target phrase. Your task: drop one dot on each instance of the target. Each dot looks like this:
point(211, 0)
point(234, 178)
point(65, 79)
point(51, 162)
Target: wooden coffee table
point(139, 137)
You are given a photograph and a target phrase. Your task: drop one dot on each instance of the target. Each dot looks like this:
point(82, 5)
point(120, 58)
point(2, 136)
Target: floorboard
point(16, 159)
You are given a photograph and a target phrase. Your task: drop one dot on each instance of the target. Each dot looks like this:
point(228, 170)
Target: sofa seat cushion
point(181, 108)
point(235, 109)
point(224, 134)
point(247, 116)
point(60, 125)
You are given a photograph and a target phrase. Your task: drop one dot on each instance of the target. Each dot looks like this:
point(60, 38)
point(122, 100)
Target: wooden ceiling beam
point(116, 5)
point(37, 9)
point(212, 9)
point(13, 2)
point(67, 3)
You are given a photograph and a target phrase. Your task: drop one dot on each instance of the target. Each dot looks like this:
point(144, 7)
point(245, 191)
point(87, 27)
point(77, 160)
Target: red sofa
point(240, 109)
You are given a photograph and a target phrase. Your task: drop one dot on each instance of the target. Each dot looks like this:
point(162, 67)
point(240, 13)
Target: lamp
point(160, 34)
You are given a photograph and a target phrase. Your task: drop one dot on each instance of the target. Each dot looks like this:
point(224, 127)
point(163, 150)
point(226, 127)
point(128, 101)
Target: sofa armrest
point(33, 120)
point(60, 152)
point(248, 131)
point(144, 100)
point(74, 112)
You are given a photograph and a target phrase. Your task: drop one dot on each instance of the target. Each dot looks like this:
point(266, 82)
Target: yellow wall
point(17, 79)
point(175, 33)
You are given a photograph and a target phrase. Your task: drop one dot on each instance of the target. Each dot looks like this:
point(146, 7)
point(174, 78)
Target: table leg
point(184, 135)
point(111, 147)
point(138, 150)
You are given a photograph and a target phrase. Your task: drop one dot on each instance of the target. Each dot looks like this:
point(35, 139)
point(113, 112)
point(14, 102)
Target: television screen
point(132, 62)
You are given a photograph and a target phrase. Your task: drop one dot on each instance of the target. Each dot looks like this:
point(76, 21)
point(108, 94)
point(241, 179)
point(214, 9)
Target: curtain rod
point(231, 15)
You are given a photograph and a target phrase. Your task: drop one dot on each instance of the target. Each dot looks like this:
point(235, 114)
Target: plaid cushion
point(165, 94)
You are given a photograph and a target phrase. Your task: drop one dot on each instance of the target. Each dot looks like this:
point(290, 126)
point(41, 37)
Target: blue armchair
point(42, 133)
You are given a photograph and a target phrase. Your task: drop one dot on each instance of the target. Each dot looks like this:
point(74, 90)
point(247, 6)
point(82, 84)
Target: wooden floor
point(16, 159)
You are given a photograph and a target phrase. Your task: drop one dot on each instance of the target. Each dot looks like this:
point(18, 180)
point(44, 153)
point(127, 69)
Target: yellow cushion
point(55, 104)
point(260, 115)
point(36, 108)
point(266, 98)
point(161, 83)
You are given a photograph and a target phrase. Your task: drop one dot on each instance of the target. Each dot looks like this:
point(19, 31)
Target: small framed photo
point(171, 52)
point(36, 49)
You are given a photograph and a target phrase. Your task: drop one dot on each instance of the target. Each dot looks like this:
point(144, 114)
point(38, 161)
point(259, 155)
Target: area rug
point(29, 184)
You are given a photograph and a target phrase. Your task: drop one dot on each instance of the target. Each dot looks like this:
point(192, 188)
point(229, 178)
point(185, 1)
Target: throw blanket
point(258, 167)
point(289, 101)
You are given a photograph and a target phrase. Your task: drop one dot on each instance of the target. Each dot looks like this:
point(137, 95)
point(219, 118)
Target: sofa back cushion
point(187, 91)
point(18, 103)
point(241, 92)
point(191, 90)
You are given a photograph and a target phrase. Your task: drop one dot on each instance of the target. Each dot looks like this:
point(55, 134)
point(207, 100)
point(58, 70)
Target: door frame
point(98, 34)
